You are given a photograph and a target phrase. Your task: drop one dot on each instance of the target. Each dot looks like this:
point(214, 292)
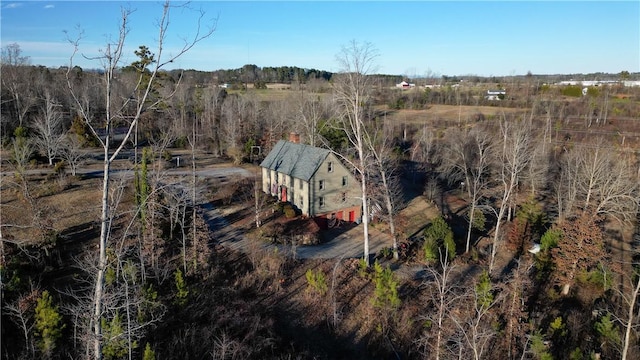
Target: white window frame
point(321, 184)
point(321, 201)
point(330, 166)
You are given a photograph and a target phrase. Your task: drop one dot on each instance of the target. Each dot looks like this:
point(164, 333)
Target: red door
point(283, 195)
point(352, 216)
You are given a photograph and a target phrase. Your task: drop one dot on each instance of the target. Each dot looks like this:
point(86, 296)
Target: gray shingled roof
point(298, 160)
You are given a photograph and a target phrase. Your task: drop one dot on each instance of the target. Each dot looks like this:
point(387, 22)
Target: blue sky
point(414, 38)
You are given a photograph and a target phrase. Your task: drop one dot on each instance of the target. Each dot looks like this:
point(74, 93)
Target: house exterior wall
point(297, 190)
point(333, 197)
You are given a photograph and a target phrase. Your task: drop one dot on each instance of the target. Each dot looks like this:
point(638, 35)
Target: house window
point(330, 166)
point(301, 183)
point(301, 201)
point(344, 181)
point(290, 182)
point(344, 197)
point(321, 201)
point(321, 184)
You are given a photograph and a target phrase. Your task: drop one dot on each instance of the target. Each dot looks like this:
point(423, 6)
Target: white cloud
point(13, 5)
point(50, 6)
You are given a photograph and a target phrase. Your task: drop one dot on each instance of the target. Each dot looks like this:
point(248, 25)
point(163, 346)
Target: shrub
point(148, 353)
point(538, 347)
point(180, 142)
point(608, 332)
point(550, 239)
point(182, 291)
point(572, 90)
point(483, 289)
point(430, 251)
point(289, 212)
point(115, 344)
point(440, 233)
point(48, 323)
point(317, 281)
point(386, 292)
point(600, 277)
point(59, 167)
point(362, 268)
point(21, 132)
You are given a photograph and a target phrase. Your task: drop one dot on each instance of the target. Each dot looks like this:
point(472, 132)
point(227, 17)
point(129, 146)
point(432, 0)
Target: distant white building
point(405, 85)
point(495, 94)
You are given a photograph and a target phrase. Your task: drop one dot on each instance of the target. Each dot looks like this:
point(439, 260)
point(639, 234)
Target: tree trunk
point(102, 257)
point(629, 326)
point(365, 216)
point(472, 215)
point(389, 205)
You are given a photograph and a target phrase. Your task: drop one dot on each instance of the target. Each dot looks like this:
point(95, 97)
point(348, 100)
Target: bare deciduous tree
point(15, 70)
point(49, 128)
point(352, 93)
point(443, 293)
point(598, 178)
point(513, 154)
point(111, 60)
point(21, 312)
point(466, 158)
point(71, 151)
point(630, 320)
point(311, 111)
point(381, 148)
point(213, 98)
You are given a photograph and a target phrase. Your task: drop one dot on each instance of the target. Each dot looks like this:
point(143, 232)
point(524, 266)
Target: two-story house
point(312, 179)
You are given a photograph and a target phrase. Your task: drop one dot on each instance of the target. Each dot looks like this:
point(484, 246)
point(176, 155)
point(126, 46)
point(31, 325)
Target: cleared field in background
point(447, 113)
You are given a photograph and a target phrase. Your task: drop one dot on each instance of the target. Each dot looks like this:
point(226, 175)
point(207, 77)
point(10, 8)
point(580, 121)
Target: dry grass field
point(447, 113)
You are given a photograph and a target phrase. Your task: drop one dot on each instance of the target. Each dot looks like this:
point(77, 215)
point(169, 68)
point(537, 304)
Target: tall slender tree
point(352, 92)
point(513, 154)
point(111, 59)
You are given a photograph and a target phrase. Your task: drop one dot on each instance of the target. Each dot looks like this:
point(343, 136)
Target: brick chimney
point(294, 137)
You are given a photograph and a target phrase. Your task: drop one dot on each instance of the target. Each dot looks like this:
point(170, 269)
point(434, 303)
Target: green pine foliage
point(550, 239)
point(48, 323)
point(386, 291)
point(316, 281)
point(440, 233)
point(115, 345)
point(484, 291)
point(182, 290)
point(479, 220)
point(149, 354)
point(607, 330)
point(572, 90)
point(538, 347)
point(430, 250)
point(362, 267)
